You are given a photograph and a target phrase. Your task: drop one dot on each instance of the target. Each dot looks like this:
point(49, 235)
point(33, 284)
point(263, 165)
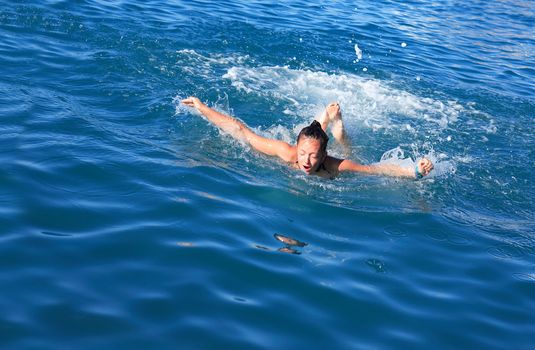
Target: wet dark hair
point(314, 131)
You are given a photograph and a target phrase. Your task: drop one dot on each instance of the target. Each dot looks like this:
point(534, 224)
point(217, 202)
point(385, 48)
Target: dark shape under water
point(377, 265)
point(289, 241)
point(289, 250)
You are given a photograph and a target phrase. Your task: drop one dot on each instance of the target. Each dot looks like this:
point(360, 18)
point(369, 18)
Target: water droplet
point(358, 52)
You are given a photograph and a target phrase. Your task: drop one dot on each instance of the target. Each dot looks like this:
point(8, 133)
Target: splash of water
point(371, 102)
point(368, 104)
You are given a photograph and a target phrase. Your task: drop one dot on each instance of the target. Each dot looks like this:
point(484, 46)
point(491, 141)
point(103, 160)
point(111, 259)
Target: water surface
point(129, 222)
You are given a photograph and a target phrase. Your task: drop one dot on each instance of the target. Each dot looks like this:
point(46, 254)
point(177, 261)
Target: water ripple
point(128, 222)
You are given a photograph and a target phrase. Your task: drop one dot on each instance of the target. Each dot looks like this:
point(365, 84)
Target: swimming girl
point(309, 154)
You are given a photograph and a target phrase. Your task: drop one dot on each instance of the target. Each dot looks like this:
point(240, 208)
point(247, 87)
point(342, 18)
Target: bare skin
point(307, 155)
point(332, 115)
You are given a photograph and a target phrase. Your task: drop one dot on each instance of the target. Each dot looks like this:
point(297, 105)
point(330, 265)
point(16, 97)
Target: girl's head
point(311, 147)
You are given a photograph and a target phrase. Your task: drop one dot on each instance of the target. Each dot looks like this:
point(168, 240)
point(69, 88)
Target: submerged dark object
point(288, 250)
point(289, 240)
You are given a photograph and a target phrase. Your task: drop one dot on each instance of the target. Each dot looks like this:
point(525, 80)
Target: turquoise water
point(128, 222)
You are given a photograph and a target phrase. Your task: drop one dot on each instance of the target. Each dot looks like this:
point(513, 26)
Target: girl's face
point(309, 155)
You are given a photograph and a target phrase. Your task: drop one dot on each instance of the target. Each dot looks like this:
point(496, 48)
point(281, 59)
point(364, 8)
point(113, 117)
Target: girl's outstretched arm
point(240, 131)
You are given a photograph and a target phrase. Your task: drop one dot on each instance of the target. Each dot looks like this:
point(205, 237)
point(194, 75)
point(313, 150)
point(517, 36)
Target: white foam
point(367, 101)
point(397, 156)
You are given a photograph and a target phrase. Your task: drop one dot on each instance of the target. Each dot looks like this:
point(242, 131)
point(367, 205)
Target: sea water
point(127, 221)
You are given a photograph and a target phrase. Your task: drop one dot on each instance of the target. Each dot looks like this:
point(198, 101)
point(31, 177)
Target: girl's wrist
point(417, 173)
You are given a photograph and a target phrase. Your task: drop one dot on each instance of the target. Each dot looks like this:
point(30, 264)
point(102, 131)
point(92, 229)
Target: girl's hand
point(193, 102)
point(424, 166)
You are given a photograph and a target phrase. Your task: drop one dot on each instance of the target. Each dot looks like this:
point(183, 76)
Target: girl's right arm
point(240, 131)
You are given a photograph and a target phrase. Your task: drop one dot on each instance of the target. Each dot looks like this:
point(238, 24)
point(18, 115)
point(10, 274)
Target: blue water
point(129, 222)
